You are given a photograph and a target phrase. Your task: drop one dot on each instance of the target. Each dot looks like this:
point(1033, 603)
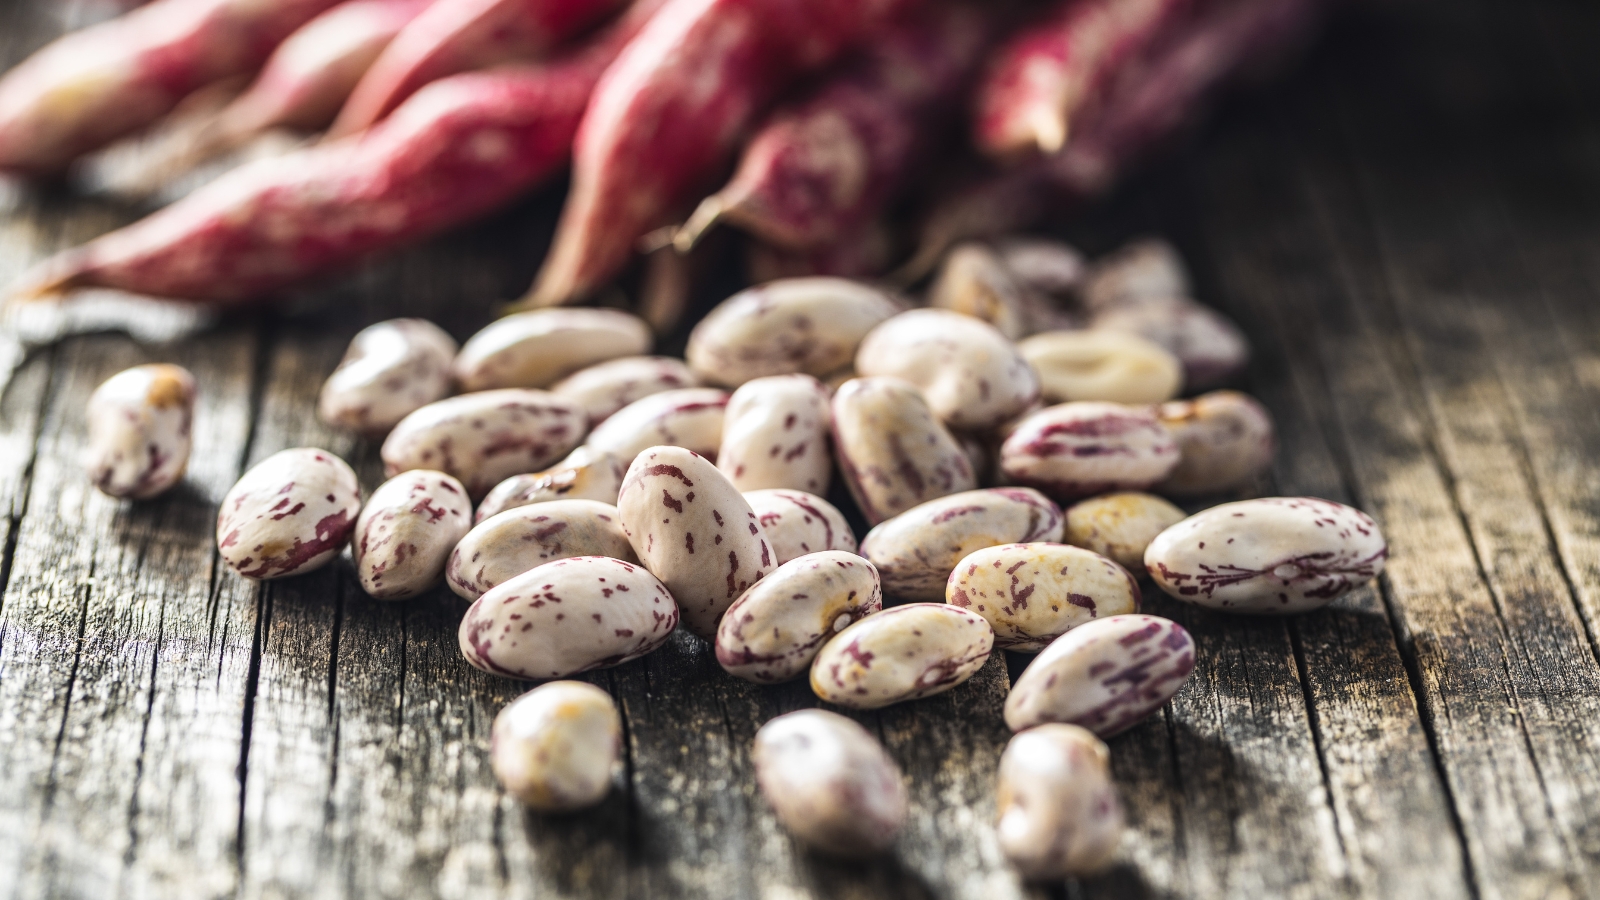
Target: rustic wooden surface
point(1409, 230)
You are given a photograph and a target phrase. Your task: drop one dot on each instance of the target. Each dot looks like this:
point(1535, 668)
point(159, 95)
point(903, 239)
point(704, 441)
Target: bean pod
point(291, 513)
point(1034, 593)
point(141, 424)
point(773, 631)
point(916, 551)
point(903, 653)
point(504, 546)
point(1106, 675)
point(406, 531)
point(485, 437)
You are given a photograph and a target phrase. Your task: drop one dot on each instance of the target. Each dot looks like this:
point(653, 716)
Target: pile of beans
point(1011, 443)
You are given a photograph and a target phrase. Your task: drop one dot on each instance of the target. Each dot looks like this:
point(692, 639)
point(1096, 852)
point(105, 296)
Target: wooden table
point(1409, 230)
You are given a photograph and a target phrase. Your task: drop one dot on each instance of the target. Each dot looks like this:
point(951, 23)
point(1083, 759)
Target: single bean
point(772, 632)
point(1273, 555)
point(797, 523)
point(1046, 265)
point(390, 370)
point(830, 782)
point(566, 617)
point(1100, 364)
point(554, 747)
point(1120, 526)
point(1211, 347)
point(690, 418)
point(1034, 593)
point(972, 377)
point(1059, 812)
point(776, 435)
point(1105, 675)
point(1225, 441)
point(893, 451)
point(586, 474)
point(1149, 267)
point(609, 386)
point(694, 531)
point(486, 437)
point(291, 513)
point(916, 551)
point(536, 349)
point(1074, 450)
point(504, 546)
point(973, 281)
point(141, 423)
point(406, 531)
point(903, 653)
point(793, 325)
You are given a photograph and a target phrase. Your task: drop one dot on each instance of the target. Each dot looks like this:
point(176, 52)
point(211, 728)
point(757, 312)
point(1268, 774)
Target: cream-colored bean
point(291, 513)
point(916, 551)
point(974, 282)
point(1034, 593)
point(903, 653)
point(1120, 526)
point(1100, 364)
point(776, 435)
point(504, 546)
point(691, 418)
point(554, 747)
point(809, 326)
point(391, 369)
point(1211, 347)
point(406, 531)
point(485, 438)
point(1149, 267)
point(893, 451)
point(973, 378)
point(1105, 675)
point(141, 427)
point(1059, 812)
point(536, 349)
point(1225, 442)
point(1075, 450)
point(773, 631)
point(830, 782)
point(609, 386)
point(797, 523)
point(586, 474)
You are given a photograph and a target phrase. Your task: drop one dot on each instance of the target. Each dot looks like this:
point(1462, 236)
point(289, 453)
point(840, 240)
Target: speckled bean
point(586, 474)
point(1273, 555)
point(974, 282)
point(810, 326)
point(1034, 593)
point(1120, 526)
point(1101, 364)
point(1075, 450)
point(776, 435)
point(694, 531)
point(973, 378)
point(1059, 812)
point(830, 782)
point(893, 451)
point(406, 531)
point(1143, 268)
point(903, 653)
point(1105, 675)
point(1225, 441)
point(1212, 349)
point(291, 513)
point(390, 369)
point(797, 523)
point(916, 551)
point(605, 388)
point(554, 747)
point(504, 546)
point(690, 418)
point(1046, 265)
point(568, 616)
point(536, 349)
point(140, 430)
point(486, 437)
point(773, 631)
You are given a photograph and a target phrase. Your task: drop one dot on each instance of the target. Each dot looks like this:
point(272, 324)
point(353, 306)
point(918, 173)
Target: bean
point(904, 653)
point(893, 451)
point(972, 377)
point(406, 531)
point(797, 523)
point(1105, 675)
point(1044, 264)
point(973, 281)
point(772, 632)
point(536, 349)
point(586, 474)
point(694, 531)
point(1100, 364)
point(504, 546)
point(1225, 441)
point(1034, 593)
point(1149, 267)
point(554, 747)
point(1212, 349)
point(390, 370)
point(916, 551)
point(604, 388)
point(776, 435)
point(793, 325)
point(140, 430)
point(690, 418)
point(1273, 555)
point(1120, 526)
point(830, 782)
point(484, 438)
point(1075, 450)
point(291, 513)
point(1059, 812)
point(566, 617)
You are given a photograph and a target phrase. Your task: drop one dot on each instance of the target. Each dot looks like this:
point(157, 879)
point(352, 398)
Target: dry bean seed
point(1120, 526)
point(776, 435)
point(1212, 349)
point(605, 388)
point(504, 546)
point(486, 437)
point(1059, 812)
point(903, 653)
point(1105, 675)
point(1074, 450)
point(586, 474)
point(893, 451)
point(690, 418)
point(536, 349)
point(1100, 364)
point(554, 747)
point(1046, 265)
point(1225, 441)
point(391, 369)
point(797, 523)
point(973, 378)
point(773, 631)
point(1034, 593)
point(916, 551)
point(830, 782)
point(141, 424)
point(1143, 268)
point(406, 531)
point(291, 513)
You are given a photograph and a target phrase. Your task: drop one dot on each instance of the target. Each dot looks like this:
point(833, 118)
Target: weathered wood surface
point(1408, 229)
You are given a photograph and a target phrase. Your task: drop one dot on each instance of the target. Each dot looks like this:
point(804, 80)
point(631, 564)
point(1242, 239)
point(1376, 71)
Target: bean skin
point(486, 437)
point(1034, 593)
point(893, 451)
point(503, 546)
point(797, 523)
point(391, 369)
point(1076, 450)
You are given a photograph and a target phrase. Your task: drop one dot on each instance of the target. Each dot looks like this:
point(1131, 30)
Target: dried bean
point(536, 349)
point(609, 386)
point(830, 782)
point(1225, 441)
point(1059, 813)
point(1048, 266)
point(504, 546)
point(392, 369)
point(1120, 526)
point(974, 282)
point(1212, 349)
point(1034, 593)
point(291, 513)
point(892, 450)
point(972, 377)
point(797, 523)
point(1105, 675)
point(140, 430)
point(1080, 449)
point(776, 435)
point(903, 653)
point(554, 747)
point(486, 437)
point(916, 551)
point(406, 531)
point(772, 632)
point(1101, 364)
point(1149, 267)
point(586, 474)
point(691, 418)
